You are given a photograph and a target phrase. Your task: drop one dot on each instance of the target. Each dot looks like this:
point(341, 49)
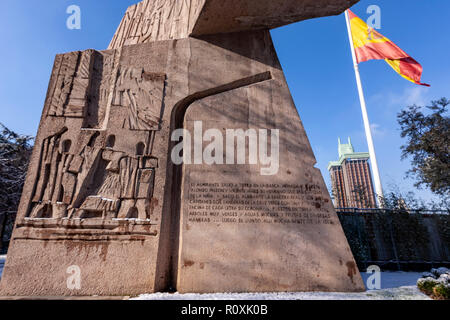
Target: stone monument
point(107, 211)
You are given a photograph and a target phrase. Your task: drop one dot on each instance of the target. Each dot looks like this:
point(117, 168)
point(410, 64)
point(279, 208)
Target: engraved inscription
point(244, 203)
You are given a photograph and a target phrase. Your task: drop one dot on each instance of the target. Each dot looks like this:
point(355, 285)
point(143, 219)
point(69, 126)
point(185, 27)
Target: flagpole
point(373, 157)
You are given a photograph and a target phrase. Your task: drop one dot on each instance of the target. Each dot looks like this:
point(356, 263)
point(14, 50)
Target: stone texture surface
point(218, 16)
point(241, 231)
point(103, 194)
point(153, 20)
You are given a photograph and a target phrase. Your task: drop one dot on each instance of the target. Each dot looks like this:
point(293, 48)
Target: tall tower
point(351, 178)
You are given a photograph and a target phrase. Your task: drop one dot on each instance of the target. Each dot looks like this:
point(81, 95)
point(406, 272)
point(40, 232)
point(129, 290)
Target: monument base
point(105, 211)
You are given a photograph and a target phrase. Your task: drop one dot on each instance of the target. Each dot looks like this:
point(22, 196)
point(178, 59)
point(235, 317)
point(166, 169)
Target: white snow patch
point(102, 198)
point(394, 286)
point(402, 293)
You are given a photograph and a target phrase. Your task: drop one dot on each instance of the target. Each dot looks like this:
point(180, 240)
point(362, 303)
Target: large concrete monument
point(107, 211)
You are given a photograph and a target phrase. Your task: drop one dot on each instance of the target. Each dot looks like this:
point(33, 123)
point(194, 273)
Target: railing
point(397, 239)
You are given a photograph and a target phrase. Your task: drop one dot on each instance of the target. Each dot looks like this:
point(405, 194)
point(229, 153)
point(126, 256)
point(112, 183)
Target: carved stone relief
point(92, 178)
point(69, 97)
point(154, 20)
point(141, 94)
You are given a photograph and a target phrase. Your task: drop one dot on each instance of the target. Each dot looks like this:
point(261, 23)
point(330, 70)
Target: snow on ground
point(402, 293)
point(394, 286)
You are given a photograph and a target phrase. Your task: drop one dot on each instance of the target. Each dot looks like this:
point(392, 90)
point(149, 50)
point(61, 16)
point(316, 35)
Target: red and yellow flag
point(371, 45)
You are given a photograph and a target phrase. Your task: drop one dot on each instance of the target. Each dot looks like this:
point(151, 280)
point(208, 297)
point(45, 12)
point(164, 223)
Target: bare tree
point(15, 152)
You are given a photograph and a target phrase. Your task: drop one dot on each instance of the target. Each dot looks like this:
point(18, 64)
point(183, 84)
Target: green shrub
point(427, 285)
point(441, 292)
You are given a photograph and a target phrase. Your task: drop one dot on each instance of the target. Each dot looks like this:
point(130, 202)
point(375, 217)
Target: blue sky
point(315, 55)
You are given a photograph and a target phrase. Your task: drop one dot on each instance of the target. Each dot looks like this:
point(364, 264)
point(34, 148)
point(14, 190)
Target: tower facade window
point(351, 179)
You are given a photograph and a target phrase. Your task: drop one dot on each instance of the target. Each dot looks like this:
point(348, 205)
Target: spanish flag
point(371, 45)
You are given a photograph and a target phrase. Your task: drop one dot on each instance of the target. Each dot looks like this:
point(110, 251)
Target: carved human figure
point(55, 184)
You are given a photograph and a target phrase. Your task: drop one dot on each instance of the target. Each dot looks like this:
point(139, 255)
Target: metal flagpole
point(373, 157)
